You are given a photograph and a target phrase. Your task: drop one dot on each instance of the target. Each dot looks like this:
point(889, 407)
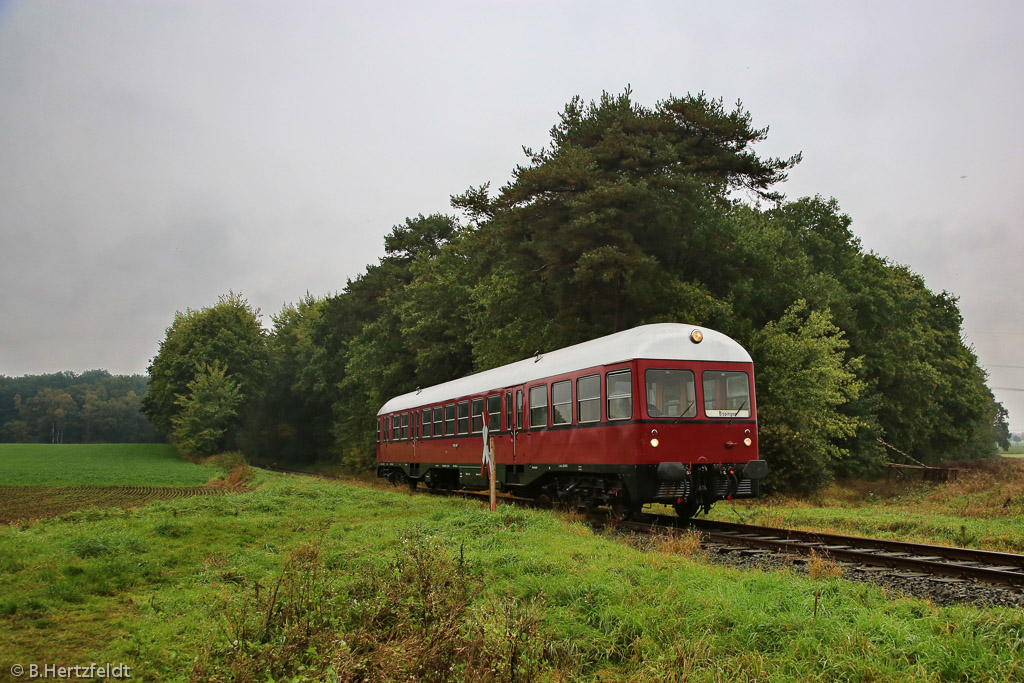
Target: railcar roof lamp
point(696, 336)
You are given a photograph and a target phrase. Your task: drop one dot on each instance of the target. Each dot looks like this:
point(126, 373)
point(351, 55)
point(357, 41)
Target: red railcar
point(660, 413)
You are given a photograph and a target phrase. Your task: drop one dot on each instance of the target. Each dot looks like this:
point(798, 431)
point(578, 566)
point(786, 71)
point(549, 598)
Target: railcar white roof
point(662, 341)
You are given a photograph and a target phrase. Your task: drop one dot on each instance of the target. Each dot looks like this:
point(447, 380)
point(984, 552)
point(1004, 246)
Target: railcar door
point(514, 423)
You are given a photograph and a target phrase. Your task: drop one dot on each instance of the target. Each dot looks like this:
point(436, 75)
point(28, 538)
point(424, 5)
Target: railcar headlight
point(654, 443)
point(696, 336)
point(747, 441)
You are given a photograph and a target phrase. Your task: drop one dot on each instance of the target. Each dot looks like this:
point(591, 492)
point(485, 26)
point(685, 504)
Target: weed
point(407, 619)
point(821, 567)
point(686, 543)
point(964, 538)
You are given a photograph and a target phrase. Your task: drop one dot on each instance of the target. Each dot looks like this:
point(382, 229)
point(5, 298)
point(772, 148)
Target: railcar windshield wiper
point(683, 414)
point(742, 406)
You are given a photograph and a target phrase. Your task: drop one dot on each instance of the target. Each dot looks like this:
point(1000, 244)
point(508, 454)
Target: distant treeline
point(66, 407)
point(632, 215)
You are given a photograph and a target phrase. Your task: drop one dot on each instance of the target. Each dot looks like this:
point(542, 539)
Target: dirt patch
point(20, 503)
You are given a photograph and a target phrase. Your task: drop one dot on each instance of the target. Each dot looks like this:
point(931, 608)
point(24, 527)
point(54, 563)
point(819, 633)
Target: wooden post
point(494, 491)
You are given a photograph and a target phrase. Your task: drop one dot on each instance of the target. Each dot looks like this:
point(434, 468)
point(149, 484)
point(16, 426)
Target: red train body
point(657, 414)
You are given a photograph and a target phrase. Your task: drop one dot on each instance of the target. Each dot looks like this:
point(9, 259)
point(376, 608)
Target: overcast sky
point(154, 155)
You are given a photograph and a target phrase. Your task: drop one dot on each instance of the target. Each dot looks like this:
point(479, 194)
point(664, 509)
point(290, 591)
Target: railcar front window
point(588, 399)
point(438, 424)
point(539, 406)
point(726, 393)
point(426, 422)
point(493, 413)
point(620, 394)
point(463, 417)
point(561, 403)
point(405, 426)
point(449, 419)
point(478, 415)
point(671, 393)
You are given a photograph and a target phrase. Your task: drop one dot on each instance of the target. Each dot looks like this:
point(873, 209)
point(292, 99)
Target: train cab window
point(726, 393)
point(425, 421)
point(561, 403)
point(620, 394)
point(405, 426)
point(477, 413)
point(671, 393)
point(449, 419)
point(538, 406)
point(588, 399)
point(508, 411)
point(463, 425)
point(494, 413)
point(438, 424)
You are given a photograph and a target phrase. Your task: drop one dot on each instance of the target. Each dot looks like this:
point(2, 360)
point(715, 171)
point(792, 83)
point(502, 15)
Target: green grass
point(99, 465)
point(305, 579)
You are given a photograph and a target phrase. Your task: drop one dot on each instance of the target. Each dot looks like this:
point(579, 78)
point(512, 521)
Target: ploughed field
point(19, 503)
point(40, 480)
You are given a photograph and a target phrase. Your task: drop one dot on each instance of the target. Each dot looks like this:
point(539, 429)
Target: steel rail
point(845, 548)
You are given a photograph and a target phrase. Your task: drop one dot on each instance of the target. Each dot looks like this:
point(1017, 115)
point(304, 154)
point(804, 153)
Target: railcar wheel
point(687, 509)
point(624, 512)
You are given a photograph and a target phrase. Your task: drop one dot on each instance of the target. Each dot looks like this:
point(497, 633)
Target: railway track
point(1004, 569)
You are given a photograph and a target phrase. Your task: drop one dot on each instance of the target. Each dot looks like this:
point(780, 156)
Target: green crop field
point(98, 465)
point(304, 579)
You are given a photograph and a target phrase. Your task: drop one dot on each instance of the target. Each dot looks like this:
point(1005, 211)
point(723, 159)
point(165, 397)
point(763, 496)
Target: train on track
point(661, 413)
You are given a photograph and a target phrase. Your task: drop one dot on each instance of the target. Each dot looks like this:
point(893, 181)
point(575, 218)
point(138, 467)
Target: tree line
point(66, 407)
point(630, 215)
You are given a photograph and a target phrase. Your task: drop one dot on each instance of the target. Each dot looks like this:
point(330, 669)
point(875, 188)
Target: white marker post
point(487, 460)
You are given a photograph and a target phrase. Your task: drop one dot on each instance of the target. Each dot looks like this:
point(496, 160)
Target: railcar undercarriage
point(625, 489)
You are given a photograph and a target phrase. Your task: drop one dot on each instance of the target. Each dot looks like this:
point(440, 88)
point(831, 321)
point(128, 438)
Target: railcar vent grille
point(674, 489)
point(744, 488)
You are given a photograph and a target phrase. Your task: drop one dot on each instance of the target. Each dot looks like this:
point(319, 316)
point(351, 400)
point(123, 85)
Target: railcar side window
point(620, 394)
point(588, 399)
point(561, 403)
point(539, 406)
point(494, 413)
point(726, 393)
point(405, 426)
point(449, 419)
point(671, 393)
point(463, 417)
point(426, 422)
point(478, 415)
point(438, 425)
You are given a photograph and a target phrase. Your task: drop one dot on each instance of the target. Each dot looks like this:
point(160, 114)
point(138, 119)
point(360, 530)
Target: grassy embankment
point(982, 508)
point(308, 578)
